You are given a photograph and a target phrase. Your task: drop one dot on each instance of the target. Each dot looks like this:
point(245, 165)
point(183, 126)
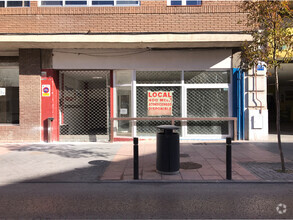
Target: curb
point(161, 181)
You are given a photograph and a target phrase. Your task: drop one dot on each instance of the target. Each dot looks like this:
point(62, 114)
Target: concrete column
point(256, 111)
point(29, 95)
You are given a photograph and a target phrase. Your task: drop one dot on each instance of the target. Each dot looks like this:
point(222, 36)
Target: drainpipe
point(255, 90)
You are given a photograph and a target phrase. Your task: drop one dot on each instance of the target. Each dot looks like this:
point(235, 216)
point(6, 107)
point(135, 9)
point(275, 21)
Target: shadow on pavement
point(66, 150)
point(90, 174)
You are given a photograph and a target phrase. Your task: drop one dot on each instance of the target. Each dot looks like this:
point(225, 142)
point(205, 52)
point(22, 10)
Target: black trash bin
point(167, 150)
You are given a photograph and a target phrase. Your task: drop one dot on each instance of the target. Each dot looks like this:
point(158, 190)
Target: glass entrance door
point(124, 110)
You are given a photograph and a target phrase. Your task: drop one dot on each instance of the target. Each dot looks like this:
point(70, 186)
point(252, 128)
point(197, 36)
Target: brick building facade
point(60, 46)
point(149, 17)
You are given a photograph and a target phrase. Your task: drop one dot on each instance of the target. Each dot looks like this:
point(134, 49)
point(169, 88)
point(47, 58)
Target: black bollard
point(228, 159)
point(135, 158)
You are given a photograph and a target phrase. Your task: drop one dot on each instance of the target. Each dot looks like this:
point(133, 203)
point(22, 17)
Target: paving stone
point(172, 177)
point(151, 176)
point(190, 175)
point(268, 171)
point(90, 162)
point(212, 177)
point(55, 162)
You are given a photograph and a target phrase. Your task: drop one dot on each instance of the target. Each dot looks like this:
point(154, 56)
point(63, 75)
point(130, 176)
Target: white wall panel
point(142, 60)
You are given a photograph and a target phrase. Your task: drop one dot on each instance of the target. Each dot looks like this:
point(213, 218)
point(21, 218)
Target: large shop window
point(207, 103)
point(169, 94)
point(158, 77)
point(89, 3)
point(208, 77)
point(147, 108)
point(155, 100)
point(9, 95)
point(207, 96)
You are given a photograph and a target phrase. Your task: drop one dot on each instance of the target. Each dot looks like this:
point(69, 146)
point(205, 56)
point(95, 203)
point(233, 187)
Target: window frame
point(23, 5)
point(183, 103)
point(13, 67)
point(183, 3)
point(88, 4)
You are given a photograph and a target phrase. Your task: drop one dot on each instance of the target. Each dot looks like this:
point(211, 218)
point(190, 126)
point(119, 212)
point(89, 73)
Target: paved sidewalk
point(95, 162)
point(51, 163)
point(250, 163)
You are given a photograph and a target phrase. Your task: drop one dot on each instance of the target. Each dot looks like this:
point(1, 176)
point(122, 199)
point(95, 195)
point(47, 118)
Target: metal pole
point(50, 120)
point(49, 131)
point(235, 129)
point(111, 130)
point(135, 158)
point(228, 159)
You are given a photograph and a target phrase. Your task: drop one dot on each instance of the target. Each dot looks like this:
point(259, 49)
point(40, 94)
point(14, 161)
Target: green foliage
point(270, 24)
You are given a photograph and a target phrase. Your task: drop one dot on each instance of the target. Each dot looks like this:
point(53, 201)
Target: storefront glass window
point(170, 107)
point(9, 95)
point(123, 77)
point(203, 103)
point(207, 103)
point(194, 77)
point(158, 77)
point(207, 127)
point(169, 94)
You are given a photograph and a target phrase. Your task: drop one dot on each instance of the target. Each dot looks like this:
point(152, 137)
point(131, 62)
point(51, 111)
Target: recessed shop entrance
point(286, 99)
point(84, 105)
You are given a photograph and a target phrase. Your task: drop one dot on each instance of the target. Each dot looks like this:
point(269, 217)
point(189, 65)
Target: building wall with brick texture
point(29, 129)
point(149, 17)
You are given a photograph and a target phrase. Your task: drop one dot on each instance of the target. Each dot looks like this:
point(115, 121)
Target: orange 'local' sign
point(160, 103)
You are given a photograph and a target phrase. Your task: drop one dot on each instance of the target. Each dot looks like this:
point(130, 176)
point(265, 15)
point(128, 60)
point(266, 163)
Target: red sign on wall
point(160, 103)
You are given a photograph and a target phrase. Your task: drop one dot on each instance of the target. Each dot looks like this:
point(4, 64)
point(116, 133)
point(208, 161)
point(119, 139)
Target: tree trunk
point(278, 118)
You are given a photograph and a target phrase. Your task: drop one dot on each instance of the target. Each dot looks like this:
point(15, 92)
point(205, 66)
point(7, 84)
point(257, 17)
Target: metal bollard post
point(228, 159)
point(50, 120)
point(135, 158)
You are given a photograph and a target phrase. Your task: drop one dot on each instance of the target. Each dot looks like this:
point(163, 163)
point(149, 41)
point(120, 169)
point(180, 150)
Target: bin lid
point(168, 127)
